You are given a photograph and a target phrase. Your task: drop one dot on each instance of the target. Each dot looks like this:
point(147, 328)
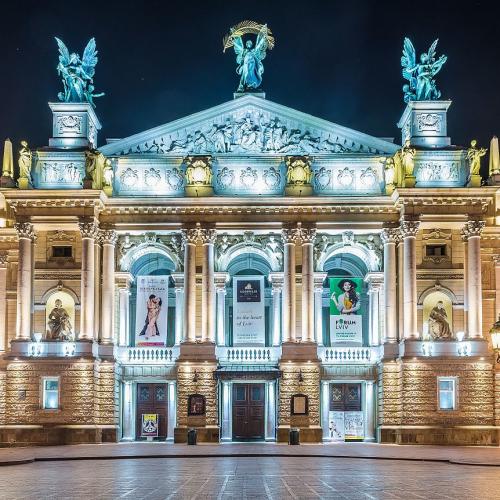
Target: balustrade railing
point(348, 354)
point(248, 354)
point(148, 355)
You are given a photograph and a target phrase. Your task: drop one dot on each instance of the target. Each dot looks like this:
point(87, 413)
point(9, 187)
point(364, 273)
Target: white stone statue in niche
point(59, 324)
point(439, 328)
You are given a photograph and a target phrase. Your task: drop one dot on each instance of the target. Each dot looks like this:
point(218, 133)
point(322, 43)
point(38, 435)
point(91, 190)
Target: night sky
point(338, 60)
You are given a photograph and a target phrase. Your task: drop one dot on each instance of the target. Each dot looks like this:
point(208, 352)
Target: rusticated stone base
point(455, 436)
point(204, 434)
point(307, 434)
point(56, 435)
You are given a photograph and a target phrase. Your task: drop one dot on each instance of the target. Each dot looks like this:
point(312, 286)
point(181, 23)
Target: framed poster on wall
point(149, 426)
point(299, 404)
point(196, 405)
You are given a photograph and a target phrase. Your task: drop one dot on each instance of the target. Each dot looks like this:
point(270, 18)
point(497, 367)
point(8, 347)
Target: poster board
point(151, 311)
point(149, 425)
point(336, 425)
point(346, 320)
point(249, 325)
point(354, 425)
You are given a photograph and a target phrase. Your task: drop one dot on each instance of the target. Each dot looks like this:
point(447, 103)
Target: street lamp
point(495, 338)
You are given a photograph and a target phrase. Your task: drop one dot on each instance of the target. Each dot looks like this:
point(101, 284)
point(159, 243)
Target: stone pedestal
point(24, 183)
point(493, 180)
point(75, 125)
point(7, 182)
point(197, 191)
point(474, 181)
point(305, 190)
point(410, 181)
point(424, 124)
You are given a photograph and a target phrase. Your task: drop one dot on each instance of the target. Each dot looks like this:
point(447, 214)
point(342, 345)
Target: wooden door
point(248, 412)
point(152, 398)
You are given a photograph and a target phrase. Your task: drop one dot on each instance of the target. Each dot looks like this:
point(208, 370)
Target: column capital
point(25, 230)
point(374, 280)
point(276, 280)
point(3, 259)
point(290, 235)
point(390, 235)
point(319, 279)
point(108, 237)
point(207, 236)
point(472, 228)
point(306, 235)
point(178, 281)
point(123, 279)
point(220, 280)
point(409, 228)
point(88, 229)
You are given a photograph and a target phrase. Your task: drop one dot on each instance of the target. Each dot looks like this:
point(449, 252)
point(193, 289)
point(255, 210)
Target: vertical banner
point(149, 427)
point(336, 425)
point(346, 320)
point(151, 311)
point(249, 325)
point(354, 424)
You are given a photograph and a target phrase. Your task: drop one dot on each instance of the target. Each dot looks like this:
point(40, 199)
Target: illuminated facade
point(246, 270)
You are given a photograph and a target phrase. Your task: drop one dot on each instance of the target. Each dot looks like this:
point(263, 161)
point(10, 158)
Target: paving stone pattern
point(249, 478)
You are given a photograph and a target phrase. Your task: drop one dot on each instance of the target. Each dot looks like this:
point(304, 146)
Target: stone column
point(26, 234)
point(270, 411)
point(289, 237)
point(471, 232)
point(374, 281)
point(88, 231)
point(220, 286)
point(496, 260)
point(190, 237)
point(179, 305)
point(108, 239)
point(400, 288)
point(325, 409)
point(124, 300)
point(409, 230)
point(307, 242)
point(276, 280)
point(207, 237)
point(369, 411)
point(319, 279)
point(128, 419)
point(3, 301)
point(389, 238)
point(466, 290)
point(226, 427)
point(97, 286)
point(172, 410)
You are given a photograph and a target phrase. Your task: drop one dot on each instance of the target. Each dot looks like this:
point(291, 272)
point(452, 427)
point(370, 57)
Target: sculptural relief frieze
point(69, 123)
point(428, 122)
point(55, 172)
point(430, 171)
point(249, 130)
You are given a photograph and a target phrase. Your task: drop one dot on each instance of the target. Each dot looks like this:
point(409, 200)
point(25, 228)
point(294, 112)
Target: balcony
point(349, 355)
point(147, 355)
point(250, 355)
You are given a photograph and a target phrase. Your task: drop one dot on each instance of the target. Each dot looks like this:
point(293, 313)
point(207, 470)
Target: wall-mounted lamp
point(301, 377)
point(195, 376)
point(495, 338)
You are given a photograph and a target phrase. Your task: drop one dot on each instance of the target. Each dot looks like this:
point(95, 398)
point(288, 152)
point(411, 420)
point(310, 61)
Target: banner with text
point(346, 320)
point(151, 311)
point(249, 325)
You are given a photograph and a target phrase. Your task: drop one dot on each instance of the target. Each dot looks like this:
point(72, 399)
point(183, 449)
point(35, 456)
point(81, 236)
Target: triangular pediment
point(249, 125)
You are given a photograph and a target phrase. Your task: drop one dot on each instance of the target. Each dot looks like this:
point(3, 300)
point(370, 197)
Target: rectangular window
point(435, 250)
point(447, 393)
point(62, 251)
point(50, 393)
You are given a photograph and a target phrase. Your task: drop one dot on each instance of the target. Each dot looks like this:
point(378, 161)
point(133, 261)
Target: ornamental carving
point(390, 235)
point(129, 177)
point(88, 229)
point(324, 243)
point(207, 236)
point(69, 123)
point(198, 170)
point(272, 178)
point(152, 177)
point(472, 228)
point(175, 179)
point(25, 230)
point(437, 234)
point(307, 235)
point(248, 177)
point(345, 177)
point(108, 236)
point(289, 235)
point(61, 173)
point(249, 131)
point(323, 178)
point(368, 177)
point(190, 236)
point(428, 122)
point(172, 242)
point(225, 178)
point(299, 171)
point(438, 171)
point(409, 228)
point(60, 235)
point(3, 259)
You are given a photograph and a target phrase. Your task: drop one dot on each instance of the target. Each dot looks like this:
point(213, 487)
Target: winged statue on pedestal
point(422, 86)
point(77, 74)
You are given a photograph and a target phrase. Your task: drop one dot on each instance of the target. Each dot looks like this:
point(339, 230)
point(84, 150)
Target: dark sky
point(339, 60)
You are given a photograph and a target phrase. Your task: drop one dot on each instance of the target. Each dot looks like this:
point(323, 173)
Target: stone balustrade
point(248, 354)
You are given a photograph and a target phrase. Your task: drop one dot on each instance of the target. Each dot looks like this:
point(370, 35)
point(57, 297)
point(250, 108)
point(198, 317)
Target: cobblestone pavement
point(252, 478)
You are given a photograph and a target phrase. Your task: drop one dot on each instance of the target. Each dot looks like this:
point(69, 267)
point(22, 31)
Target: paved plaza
point(249, 477)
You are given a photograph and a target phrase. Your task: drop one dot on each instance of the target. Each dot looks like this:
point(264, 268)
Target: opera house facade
point(244, 271)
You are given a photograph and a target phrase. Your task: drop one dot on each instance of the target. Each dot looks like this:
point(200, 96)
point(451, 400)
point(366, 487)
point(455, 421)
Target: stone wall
point(390, 405)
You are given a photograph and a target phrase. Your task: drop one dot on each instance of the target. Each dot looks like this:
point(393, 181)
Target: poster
point(336, 425)
point(151, 311)
point(149, 426)
point(346, 320)
point(354, 425)
point(249, 326)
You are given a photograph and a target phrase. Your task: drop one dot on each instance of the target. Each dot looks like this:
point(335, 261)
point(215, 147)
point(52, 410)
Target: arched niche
point(236, 252)
point(60, 316)
point(352, 255)
point(437, 319)
point(145, 251)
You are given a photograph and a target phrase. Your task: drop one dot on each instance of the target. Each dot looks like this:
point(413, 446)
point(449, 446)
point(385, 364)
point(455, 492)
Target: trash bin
point(294, 436)
point(192, 436)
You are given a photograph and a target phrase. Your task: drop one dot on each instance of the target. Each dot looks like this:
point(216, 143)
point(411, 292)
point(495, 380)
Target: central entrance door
point(152, 398)
point(248, 412)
